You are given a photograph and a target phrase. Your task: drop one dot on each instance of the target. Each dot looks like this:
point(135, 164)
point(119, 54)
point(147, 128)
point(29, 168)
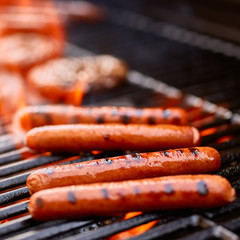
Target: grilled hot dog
point(36, 116)
point(103, 199)
point(135, 166)
point(88, 137)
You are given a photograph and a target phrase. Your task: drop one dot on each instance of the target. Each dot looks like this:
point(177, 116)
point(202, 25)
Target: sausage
point(88, 137)
point(36, 116)
point(63, 79)
point(134, 166)
point(104, 199)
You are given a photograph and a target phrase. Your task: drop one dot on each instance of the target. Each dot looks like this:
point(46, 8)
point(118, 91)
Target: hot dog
point(103, 199)
point(36, 116)
point(88, 137)
point(135, 166)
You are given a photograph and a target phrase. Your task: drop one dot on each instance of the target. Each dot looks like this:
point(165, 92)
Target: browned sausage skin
point(134, 166)
point(88, 137)
point(102, 199)
point(36, 116)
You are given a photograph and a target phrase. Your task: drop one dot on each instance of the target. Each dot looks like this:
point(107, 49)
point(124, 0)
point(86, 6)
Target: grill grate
point(179, 223)
point(165, 52)
point(197, 72)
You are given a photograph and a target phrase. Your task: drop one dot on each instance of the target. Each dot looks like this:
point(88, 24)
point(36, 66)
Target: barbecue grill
point(173, 66)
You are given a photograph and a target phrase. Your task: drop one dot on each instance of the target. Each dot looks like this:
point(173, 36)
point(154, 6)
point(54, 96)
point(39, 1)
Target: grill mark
point(169, 189)
point(71, 197)
point(137, 190)
point(180, 151)
point(139, 112)
point(152, 120)
point(75, 119)
point(165, 154)
point(136, 156)
point(106, 136)
point(49, 170)
point(48, 118)
point(194, 151)
point(105, 193)
point(166, 113)
point(125, 119)
point(108, 161)
point(100, 119)
point(202, 188)
point(115, 111)
point(39, 202)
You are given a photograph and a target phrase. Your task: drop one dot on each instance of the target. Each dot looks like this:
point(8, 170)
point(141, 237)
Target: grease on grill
point(194, 151)
point(169, 189)
point(105, 193)
point(39, 202)
point(71, 197)
point(202, 188)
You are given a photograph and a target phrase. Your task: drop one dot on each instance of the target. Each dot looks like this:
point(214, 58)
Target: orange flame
point(208, 131)
point(224, 139)
point(75, 96)
point(23, 24)
point(134, 231)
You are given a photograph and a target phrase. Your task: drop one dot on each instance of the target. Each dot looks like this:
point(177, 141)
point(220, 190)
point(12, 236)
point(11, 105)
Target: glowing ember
point(134, 231)
point(208, 131)
point(225, 139)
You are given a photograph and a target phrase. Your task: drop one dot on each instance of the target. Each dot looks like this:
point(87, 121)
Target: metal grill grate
point(16, 166)
point(193, 69)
